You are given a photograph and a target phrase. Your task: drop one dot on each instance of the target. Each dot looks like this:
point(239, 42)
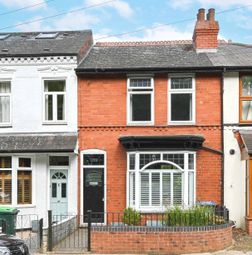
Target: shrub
point(195, 216)
point(131, 217)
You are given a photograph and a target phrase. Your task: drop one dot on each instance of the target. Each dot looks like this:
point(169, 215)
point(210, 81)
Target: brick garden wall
point(166, 242)
point(102, 120)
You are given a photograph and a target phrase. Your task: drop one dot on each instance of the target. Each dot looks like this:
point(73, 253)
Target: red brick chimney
point(206, 32)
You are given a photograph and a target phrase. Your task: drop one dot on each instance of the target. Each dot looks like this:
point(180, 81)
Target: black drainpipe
point(222, 138)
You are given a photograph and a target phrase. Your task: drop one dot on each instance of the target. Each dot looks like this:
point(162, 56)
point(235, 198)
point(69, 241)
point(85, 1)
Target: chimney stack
point(205, 36)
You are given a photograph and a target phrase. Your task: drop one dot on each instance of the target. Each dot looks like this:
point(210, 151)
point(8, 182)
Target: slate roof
point(162, 55)
point(26, 44)
point(45, 142)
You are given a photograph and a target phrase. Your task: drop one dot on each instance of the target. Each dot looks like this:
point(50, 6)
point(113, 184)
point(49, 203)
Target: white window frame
point(14, 179)
point(7, 124)
point(24, 169)
point(104, 166)
point(54, 94)
point(129, 110)
point(181, 91)
point(138, 171)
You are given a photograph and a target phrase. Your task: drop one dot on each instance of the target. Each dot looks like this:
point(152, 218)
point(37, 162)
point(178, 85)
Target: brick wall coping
point(160, 229)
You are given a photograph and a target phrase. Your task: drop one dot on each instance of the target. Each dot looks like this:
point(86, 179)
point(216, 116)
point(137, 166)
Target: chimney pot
point(211, 14)
point(201, 14)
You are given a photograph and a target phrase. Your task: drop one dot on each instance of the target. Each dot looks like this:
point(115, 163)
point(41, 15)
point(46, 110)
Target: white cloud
point(71, 21)
point(122, 7)
point(23, 3)
point(186, 4)
point(160, 33)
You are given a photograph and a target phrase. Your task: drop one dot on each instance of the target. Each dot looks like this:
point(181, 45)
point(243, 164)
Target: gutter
point(222, 137)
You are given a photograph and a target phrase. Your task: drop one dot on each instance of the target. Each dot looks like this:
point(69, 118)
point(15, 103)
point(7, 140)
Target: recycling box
point(9, 217)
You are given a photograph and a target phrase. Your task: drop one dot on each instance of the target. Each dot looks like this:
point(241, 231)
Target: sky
point(127, 20)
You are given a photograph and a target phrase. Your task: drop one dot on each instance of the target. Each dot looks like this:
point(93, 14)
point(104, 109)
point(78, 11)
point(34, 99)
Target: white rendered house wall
point(235, 169)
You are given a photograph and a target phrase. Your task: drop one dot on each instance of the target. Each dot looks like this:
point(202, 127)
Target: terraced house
point(38, 120)
point(150, 123)
point(159, 123)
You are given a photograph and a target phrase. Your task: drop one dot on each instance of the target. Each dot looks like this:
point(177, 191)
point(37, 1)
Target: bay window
point(15, 182)
point(181, 100)
point(140, 101)
point(158, 180)
point(54, 100)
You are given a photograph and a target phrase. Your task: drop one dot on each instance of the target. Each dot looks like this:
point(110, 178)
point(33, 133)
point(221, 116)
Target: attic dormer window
point(50, 35)
point(4, 36)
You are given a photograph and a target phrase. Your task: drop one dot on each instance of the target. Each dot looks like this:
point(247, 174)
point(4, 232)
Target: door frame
point(58, 168)
point(93, 151)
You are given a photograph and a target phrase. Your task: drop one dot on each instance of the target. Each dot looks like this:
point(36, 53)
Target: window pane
point(191, 161)
point(181, 107)
point(161, 166)
point(25, 162)
point(5, 87)
point(155, 188)
point(177, 189)
point(140, 83)
point(60, 107)
point(4, 109)
point(54, 190)
point(63, 190)
point(5, 187)
point(166, 189)
point(181, 83)
point(132, 161)
point(246, 110)
point(58, 160)
point(5, 162)
point(145, 189)
point(94, 159)
point(147, 158)
point(48, 107)
point(131, 189)
point(191, 188)
point(54, 86)
point(140, 107)
point(247, 86)
point(175, 158)
point(24, 187)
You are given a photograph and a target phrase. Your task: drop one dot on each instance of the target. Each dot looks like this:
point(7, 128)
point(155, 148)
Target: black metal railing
point(208, 216)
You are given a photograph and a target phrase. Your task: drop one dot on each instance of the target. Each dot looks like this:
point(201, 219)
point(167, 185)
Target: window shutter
point(166, 189)
point(145, 189)
point(177, 189)
point(155, 193)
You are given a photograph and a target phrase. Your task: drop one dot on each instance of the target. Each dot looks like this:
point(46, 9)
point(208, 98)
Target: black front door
point(94, 193)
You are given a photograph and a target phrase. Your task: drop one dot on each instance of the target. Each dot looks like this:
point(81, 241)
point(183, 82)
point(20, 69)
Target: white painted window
point(24, 182)
point(15, 180)
point(140, 100)
point(54, 100)
point(157, 180)
point(5, 102)
point(181, 100)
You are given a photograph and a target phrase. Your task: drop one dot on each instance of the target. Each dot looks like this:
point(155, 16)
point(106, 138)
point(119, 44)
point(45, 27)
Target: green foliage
point(131, 217)
point(194, 216)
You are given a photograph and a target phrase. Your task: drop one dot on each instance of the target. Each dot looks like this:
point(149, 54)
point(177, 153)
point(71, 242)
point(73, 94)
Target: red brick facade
point(161, 242)
point(102, 116)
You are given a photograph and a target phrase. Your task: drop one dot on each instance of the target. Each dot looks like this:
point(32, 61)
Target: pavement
point(207, 253)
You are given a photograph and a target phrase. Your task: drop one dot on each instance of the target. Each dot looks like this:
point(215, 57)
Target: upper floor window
point(5, 102)
point(54, 98)
point(181, 100)
point(246, 99)
point(140, 101)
